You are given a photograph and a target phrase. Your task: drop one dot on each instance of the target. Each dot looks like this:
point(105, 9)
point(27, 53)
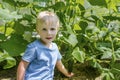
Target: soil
point(82, 72)
point(8, 74)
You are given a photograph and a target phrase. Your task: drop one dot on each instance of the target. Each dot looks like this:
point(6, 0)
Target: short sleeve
point(59, 56)
point(29, 54)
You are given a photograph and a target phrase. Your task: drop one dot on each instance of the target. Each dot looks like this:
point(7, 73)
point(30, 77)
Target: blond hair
point(46, 17)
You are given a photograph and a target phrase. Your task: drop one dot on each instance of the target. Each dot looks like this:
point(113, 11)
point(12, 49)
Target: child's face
point(47, 33)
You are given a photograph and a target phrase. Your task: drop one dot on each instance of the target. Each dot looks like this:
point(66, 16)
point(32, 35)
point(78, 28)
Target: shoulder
point(32, 44)
point(55, 46)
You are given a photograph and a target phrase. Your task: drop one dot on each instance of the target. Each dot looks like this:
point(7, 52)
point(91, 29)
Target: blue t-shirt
point(41, 60)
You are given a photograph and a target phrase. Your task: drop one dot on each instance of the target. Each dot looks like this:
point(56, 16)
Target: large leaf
point(10, 60)
point(8, 4)
point(72, 39)
point(112, 4)
point(79, 55)
point(6, 15)
point(15, 45)
point(59, 6)
point(98, 2)
point(19, 28)
point(106, 52)
point(111, 18)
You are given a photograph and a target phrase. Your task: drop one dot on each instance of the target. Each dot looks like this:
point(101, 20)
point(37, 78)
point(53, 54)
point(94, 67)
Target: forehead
point(47, 18)
point(48, 23)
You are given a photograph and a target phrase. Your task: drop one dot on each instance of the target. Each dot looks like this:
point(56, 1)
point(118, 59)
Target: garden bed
point(82, 72)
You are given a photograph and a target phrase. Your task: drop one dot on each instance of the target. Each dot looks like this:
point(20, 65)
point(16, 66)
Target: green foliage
point(14, 46)
point(79, 55)
point(10, 60)
point(89, 30)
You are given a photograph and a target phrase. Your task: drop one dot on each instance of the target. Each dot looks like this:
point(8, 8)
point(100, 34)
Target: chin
point(47, 42)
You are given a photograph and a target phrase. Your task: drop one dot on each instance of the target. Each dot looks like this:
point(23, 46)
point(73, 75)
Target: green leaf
point(98, 2)
point(77, 27)
point(59, 5)
point(72, 39)
point(19, 28)
point(83, 25)
point(117, 53)
point(10, 62)
point(82, 9)
point(78, 55)
point(96, 64)
point(27, 36)
point(3, 56)
point(80, 1)
point(105, 44)
point(2, 37)
point(5, 14)
point(8, 4)
point(111, 75)
point(26, 1)
point(106, 52)
point(15, 45)
point(112, 4)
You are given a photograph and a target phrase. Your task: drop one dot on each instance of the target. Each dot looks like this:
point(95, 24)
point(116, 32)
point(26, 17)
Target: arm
point(21, 69)
point(62, 69)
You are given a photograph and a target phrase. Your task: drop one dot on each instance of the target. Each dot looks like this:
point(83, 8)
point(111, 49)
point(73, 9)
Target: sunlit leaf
point(97, 65)
point(27, 36)
point(72, 39)
point(80, 1)
point(3, 56)
point(112, 5)
point(106, 52)
point(78, 54)
point(10, 62)
point(8, 4)
point(5, 14)
point(77, 27)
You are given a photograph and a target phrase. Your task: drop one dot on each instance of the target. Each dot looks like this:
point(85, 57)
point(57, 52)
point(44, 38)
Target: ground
point(82, 72)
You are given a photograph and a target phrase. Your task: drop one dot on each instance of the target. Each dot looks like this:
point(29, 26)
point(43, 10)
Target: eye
point(53, 29)
point(44, 29)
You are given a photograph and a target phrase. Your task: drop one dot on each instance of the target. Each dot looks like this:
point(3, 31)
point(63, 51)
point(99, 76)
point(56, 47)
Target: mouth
point(49, 38)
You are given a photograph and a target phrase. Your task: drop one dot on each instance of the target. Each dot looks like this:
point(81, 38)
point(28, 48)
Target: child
point(41, 56)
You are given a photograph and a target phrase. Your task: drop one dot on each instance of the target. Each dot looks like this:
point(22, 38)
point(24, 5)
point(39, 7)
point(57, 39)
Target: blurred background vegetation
point(89, 34)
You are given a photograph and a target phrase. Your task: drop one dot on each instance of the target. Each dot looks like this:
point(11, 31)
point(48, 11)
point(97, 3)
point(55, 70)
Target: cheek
point(54, 32)
point(41, 34)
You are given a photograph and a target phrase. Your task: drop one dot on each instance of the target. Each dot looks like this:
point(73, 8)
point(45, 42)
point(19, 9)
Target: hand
point(70, 75)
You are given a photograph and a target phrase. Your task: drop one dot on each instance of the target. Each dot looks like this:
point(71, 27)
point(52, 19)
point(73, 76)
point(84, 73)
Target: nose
point(49, 32)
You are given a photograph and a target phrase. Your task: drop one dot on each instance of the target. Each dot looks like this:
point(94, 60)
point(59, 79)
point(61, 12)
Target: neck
point(49, 45)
